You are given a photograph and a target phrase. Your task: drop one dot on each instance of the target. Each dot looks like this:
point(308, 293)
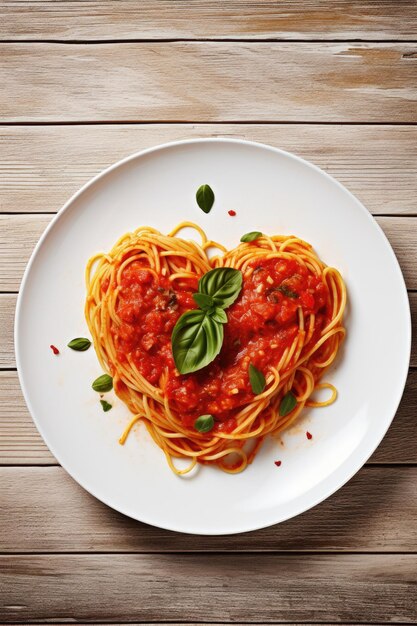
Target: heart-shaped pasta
point(282, 332)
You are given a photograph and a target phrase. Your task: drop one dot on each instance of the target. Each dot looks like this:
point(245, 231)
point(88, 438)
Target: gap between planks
point(144, 40)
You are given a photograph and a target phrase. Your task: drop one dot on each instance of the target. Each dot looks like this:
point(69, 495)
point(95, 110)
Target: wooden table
point(84, 83)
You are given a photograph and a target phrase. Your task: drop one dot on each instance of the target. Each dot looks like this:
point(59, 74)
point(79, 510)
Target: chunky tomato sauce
point(262, 323)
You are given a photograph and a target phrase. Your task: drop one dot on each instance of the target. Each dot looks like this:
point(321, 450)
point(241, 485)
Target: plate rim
point(401, 376)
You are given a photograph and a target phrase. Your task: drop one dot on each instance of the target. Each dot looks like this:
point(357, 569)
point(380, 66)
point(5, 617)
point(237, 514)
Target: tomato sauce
point(262, 323)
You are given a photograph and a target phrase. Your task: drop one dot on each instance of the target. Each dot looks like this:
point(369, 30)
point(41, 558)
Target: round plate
point(271, 191)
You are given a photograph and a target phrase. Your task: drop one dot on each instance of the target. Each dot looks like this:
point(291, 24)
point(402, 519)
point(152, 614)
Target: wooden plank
point(20, 442)
point(19, 234)
point(396, 445)
point(7, 308)
point(17, 240)
point(44, 510)
point(41, 167)
point(167, 19)
point(404, 247)
point(209, 587)
point(209, 82)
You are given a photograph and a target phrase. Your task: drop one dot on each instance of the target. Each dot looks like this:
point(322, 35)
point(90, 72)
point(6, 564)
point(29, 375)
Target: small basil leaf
point(103, 383)
point(288, 403)
point(255, 234)
point(204, 301)
point(223, 284)
point(219, 315)
point(205, 198)
point(257, 380)
point(80, 344)
point(287, 292)
point(106, 406)
point(196, 340)
point(204, 423)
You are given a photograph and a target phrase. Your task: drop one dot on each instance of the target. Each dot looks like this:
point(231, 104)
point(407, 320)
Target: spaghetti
point(287, 321)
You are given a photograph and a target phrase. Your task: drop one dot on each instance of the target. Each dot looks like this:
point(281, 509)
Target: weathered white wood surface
point(148, 587)
point(44, 510)
point(21, 444)
point(209, 81)
point(200, 19)
point(19, 233)
point(70, 109)
point(42, 166)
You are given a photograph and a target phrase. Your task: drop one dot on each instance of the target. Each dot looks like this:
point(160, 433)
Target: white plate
point(271, 191)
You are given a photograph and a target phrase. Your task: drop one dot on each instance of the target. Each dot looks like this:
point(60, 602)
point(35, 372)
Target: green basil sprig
point(257, 380)
point(80, 344)
point(205, 198)
point(204, 423)
point(252, 236)
point(203, 300)
point(288, 403)
point(197, 337)
point(196, 340)
point(106, 405)
point(219, 315)
point(223, 284)
point(103, 383)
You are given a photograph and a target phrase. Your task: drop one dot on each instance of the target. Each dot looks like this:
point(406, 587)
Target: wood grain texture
point(404, 247)
point(41, 167)
point(7, 308)
point(209, 82)
point(20, 442)
point(352, 559)
point(168, 19)
point(17, 241)
point(211, 587)
point(19, 234)
point(44, 510)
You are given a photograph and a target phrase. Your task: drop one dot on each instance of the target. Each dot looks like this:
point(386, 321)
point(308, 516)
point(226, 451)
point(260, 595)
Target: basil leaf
point(196, 340)
point(218, 315)
point(288, 403)
point(257, 380)
point(255, 234)
point(287, 292)
point(223, 284)
point(205, 198)
point(80, 344)
point(103, 383)
point(106, 406)
point(204, 301)
point(204, 423)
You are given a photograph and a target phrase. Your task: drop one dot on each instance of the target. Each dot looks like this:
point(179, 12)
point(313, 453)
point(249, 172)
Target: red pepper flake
point(232, 213)
point(277, 463)
point(309, 435)
point(54, 349)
